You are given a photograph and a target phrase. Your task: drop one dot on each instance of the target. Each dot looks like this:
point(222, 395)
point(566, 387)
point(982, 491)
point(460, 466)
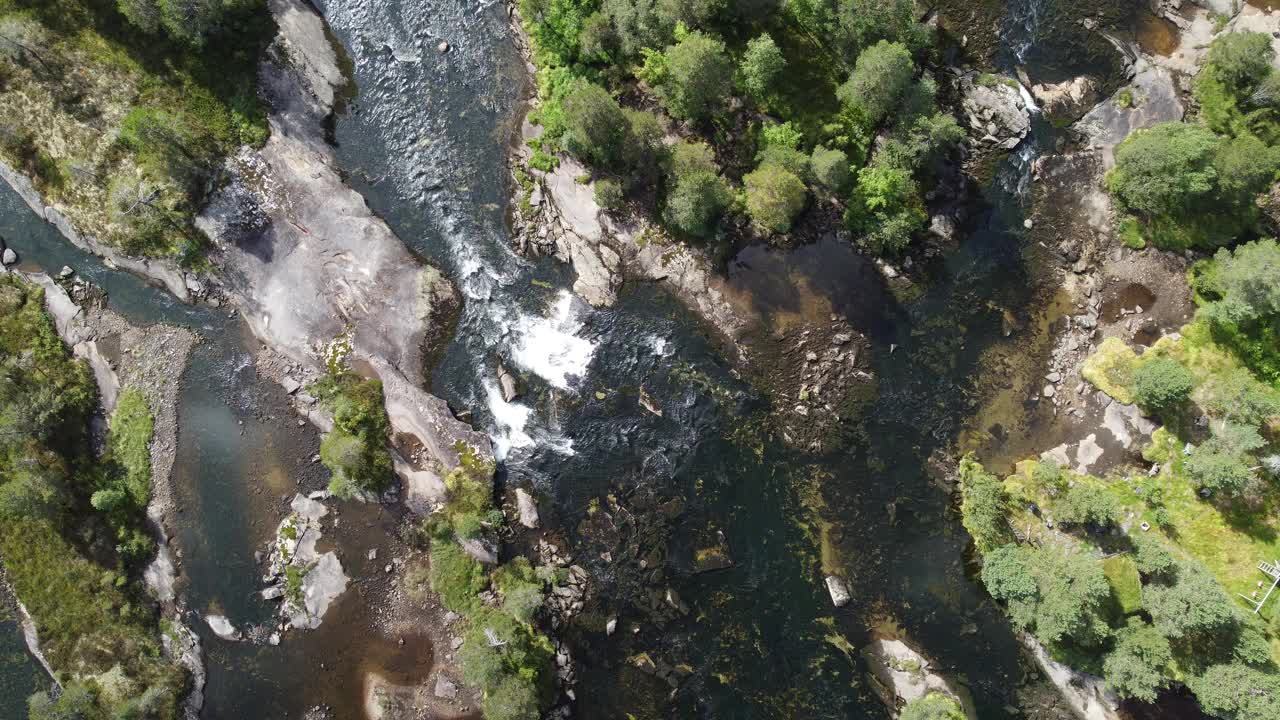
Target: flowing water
point(425, 139)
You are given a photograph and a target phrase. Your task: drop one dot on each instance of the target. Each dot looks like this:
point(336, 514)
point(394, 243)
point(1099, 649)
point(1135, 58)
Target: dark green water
point(425, 141)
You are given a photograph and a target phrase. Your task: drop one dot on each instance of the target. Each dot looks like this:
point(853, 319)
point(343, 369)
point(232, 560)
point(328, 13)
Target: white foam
point(510, 420)
point(658, 344)
point(549, 346)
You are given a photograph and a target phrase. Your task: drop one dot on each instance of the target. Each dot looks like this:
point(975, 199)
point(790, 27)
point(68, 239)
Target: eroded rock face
point(997, 114)
point(306, 261)
point(1086, 694)
point(1067, 101)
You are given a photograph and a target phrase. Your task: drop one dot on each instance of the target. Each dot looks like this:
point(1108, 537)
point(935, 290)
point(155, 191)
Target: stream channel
point(425, 140)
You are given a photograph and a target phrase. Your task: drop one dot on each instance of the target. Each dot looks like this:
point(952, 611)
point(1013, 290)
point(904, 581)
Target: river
point(425, 140)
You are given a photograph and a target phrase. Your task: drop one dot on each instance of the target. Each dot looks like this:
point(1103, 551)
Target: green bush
point(1237, 692)
point(698, 196)
point(595, 127)
point(508, 661)
point(1239, 296)
point(456, 577)
point(886, 208)
point(1086, 503)
point(1162, 384)
point(775, 196)
point(1165, 170)
point(1138, 666)
point(555, 26)
point(1224, 463)
point(608, 194)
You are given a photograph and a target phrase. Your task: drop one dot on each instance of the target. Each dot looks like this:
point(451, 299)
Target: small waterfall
point(1022, 26)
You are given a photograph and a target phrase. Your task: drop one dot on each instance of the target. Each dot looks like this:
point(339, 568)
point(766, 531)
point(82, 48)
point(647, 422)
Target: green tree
point(1235, 394)
point(762, 66)
point(1086, 503)
point(1165, 170)
point(1073, 596)
point(1190, 608)
point(638, 24)
point(1239, 295)
point(698, 77)
point(598, 40)
point(1138, 665)
point(596, 127)
point(698, 196)
point(1008, 573)
point(1224, 462)
point(775, 196)
point(880, 80)
point(934, 706)
point(1162, 384)
point(863, 22)
point(1238, 692)
point(555, 27)
point(830, 168)
point(982, 506)
point(1235, 66)
point(608, 194)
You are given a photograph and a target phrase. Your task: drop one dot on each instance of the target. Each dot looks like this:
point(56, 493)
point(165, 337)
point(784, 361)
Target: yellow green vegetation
point(122, 122)
point(934, 706)
point(355, 451)
point(503, 653)
point(94, 623)
point(1139, 576)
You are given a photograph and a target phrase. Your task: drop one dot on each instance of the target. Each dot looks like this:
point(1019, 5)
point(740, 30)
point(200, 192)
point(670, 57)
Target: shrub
point(508, 661)
point(830, 168)
point(1047, 477)
point(699, 73)
point(638, 24)
point(1237, 692)
point(608, 194)
point(775, 196)
point(695, 204)
point(982, 507)
point(555, 27)
point(886, 208)
point(1240, 301)
point(355, 451)
point(934, 706)
point(1191, 606)
point(1165, 170)
point(1162, 384)
point(762, 65)
point(880, 79)
point(1223, 463)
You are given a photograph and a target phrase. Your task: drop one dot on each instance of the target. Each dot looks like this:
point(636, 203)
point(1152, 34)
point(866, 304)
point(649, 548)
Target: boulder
point(507, 384)
point(839, 591)
point(222, 627)
point(901, 674)
point(479, 549)
point(10, 257)
point(996, 110)
point(528, 509)
point(1068, 100)
point(445, 688)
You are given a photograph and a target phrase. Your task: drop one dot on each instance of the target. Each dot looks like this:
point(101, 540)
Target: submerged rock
point(901, 674)
point(838, 590)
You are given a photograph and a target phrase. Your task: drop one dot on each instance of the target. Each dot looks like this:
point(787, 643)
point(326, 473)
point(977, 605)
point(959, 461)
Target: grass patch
point(95, 624)
point(1110, 369)
point(1126, 586)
